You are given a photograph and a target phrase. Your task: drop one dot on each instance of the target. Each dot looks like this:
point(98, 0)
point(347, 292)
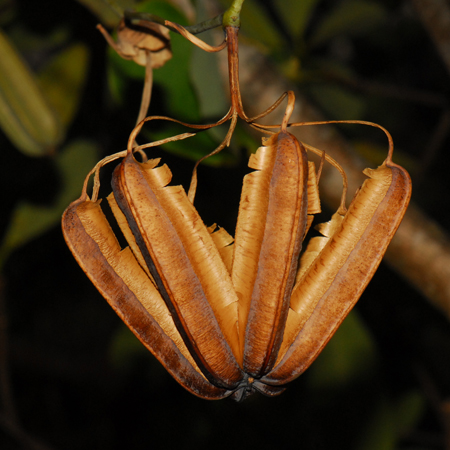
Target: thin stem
point(178, 137)
point(138, 127)
point(195, 40)
point(232, 16)
point(147, 90)
point(289, 110)
point(198, 28)
point(268, 110)
point(96, 172)
point(319, 170)
point(224, 143)
point(358, 122)
point(342, 208)
point(206, 25)
point(137, 16)
point(233, 71)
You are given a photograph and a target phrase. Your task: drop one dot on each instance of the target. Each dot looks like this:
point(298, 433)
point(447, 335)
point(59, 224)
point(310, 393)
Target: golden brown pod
point(123, 283)
point(270, 228)
point(341, 271)
point(185, 264)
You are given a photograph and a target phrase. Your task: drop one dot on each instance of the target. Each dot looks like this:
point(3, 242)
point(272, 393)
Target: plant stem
point(134, 16)
point(232, 17)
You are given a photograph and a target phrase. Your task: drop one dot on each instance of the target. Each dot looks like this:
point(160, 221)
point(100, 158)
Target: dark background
point(72, 375)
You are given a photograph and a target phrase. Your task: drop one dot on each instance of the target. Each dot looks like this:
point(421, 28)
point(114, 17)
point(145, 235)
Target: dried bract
point(141, 41)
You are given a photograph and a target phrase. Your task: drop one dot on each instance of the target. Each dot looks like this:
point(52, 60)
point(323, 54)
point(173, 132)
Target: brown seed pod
point(233, 332)
point(231, 318)
point(340, 272)
point(272, 216)
point(123, 283)
point(185, 264)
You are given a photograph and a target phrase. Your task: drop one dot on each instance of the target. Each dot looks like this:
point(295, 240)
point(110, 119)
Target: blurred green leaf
point(175, 82)
point(349, 18)
point(25, 116)
point(107, 11)
point(380, 432)
point(63, 80)
point(348, 356)
point(161, 8)
point(28, 220)
point(206, 77)
point(258, 25)
point(337, 101)
point(116, 81)
point(390, 421)
point(28, 42)
point(295, 15)
point(408, 410)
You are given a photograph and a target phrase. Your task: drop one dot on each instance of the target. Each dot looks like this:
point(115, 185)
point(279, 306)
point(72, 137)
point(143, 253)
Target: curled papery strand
point(195, 40)
point(96, 172)
point(319, 170)
point(138, 128)
point(325, 157)
point(223, 144)
point(265, 113)
point(289, 110)
point(355, 122)
point(132, 148)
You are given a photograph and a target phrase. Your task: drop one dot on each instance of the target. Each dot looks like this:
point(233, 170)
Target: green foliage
point(390, 421)
point(295, 15)
point(63, 80)
point(108, 11)
point(349, 18)
point(24, 112)
point(28, 220)
point(350, 355)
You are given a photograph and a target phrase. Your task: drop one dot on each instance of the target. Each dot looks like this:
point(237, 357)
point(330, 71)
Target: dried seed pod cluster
point(228, 317)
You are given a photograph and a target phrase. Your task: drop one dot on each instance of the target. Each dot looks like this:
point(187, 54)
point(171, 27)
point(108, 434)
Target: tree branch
point(435, 16)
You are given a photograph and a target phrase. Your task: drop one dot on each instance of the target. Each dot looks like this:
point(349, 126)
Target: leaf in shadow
point(28, 221)
point(25, 115)
point(349, 18)
point(62, 81)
